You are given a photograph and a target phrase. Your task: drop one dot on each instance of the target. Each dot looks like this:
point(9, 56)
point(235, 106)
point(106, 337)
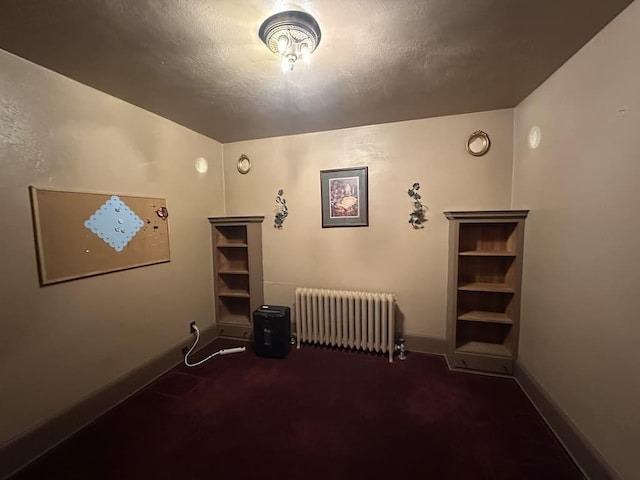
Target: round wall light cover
point(244, 164)
point(535, 135)
point(202, 165)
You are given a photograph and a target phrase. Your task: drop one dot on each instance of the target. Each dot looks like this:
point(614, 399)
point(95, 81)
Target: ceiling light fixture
point(292, 34)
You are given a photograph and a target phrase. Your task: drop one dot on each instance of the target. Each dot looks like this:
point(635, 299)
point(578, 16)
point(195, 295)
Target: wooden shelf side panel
point(256, 284)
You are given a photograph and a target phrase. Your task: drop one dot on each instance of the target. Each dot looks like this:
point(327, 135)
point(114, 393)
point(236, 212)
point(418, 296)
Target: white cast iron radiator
point(346, 319)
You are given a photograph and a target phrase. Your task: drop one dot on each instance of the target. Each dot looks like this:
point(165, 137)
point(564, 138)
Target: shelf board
point(486, 287)
point(487, 253)
point(232, 245)
point(485, 317)
point(483, 348)
point(242, 320)
point(481, 216)
point(234, 294)
point(233, 272)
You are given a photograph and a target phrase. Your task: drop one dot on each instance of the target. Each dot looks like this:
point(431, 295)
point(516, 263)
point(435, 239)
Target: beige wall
point(388, 255)
point(581, 330)
point(61, 343)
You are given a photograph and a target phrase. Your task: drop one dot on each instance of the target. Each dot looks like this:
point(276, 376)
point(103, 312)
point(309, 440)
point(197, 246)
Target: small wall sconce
point(534, 137)
point(202, 165)
point(478, 143)
point(244, 164)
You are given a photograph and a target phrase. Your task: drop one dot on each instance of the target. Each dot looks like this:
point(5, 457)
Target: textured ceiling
point(201, 64)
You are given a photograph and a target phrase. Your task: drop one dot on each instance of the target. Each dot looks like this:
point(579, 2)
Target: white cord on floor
point(224, 351)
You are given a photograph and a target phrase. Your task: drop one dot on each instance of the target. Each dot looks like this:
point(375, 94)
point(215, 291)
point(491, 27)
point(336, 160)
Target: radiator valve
point(400, 348)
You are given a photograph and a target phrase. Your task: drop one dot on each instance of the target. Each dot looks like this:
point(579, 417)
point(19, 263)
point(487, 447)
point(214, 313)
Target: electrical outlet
point(192, 327)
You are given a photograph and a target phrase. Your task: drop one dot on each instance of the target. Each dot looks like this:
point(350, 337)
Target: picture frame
point(345, 197)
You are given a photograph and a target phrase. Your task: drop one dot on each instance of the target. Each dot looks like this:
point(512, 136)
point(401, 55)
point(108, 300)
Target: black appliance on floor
point(272, 331)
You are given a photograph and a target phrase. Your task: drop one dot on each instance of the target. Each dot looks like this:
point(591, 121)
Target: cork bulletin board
point(83, 234)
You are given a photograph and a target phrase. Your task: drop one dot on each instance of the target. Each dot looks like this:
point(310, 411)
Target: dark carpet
point(318, 414)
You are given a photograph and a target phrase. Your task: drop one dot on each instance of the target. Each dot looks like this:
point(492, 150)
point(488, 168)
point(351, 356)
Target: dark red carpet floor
point(318, 414)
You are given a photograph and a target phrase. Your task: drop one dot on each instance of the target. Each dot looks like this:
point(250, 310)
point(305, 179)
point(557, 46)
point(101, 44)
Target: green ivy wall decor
point(281, 210)
point(417, 216)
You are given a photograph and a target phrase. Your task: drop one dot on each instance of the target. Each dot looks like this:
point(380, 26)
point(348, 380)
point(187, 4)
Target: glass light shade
point(283, 43)
point(292, 35)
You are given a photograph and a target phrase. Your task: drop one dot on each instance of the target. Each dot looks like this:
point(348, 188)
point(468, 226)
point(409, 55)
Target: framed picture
point(345, 197)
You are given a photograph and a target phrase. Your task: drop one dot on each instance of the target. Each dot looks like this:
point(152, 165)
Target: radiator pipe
point(400, 348)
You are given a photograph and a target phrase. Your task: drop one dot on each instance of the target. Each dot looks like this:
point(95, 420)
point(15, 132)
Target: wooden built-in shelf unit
point(485, 276)
point(237, 273)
